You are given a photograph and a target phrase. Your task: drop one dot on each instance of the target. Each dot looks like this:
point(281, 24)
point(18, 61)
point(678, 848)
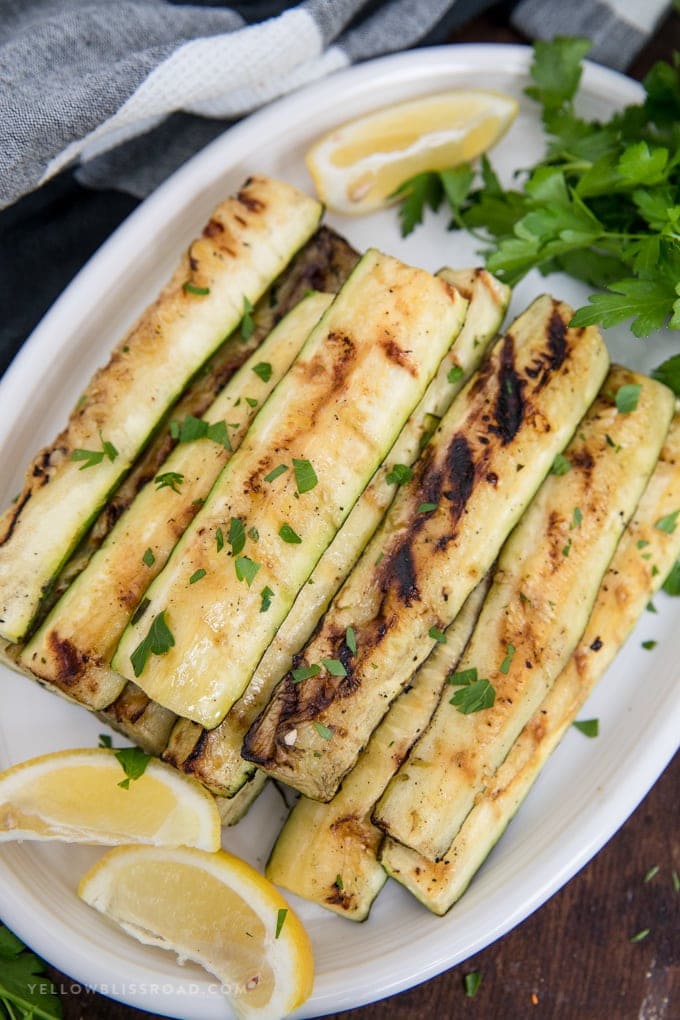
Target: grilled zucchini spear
point(246, 244)
point(286, 491)
point(544, 587)
point(645, 555)
point(73, 648)
point(328, 852)
point(441, 535)
point(214, 756)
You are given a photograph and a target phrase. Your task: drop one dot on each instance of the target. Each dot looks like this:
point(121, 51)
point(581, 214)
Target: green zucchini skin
point(386, 331)
point(544, 588)
point(214, 756)
point(644, 557)
point(73, 648)
point(327, 853)
point(247, 243)
point(440, 536)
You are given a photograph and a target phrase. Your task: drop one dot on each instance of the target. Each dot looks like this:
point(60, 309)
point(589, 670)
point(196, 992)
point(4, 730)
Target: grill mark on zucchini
point(392, 611)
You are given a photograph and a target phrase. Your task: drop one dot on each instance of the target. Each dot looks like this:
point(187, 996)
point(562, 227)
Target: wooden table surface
point(573, 958)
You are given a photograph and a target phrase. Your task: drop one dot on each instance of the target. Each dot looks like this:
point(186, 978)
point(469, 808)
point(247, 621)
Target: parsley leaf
point(264, 370)
point(246, 569)
point(589, 727)
point(474, 694)
point(133, 761)
point(169, 480)
point(266, 596)
point(289, 535)
point(669, 373)
point(92, 457)
point(25, 991)
point(247, 323)
point(192, 428)
point(305, 475)
point(416, 195)
point(399, 474)
point(668, 523)
point(672, 583)
point(158, 641)
point(237, 535)
point(305, 672)
point(334, 667)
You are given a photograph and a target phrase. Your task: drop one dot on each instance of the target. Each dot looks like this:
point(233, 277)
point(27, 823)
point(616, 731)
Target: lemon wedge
point(357, 167)
point(76, 797)
point(213, 909)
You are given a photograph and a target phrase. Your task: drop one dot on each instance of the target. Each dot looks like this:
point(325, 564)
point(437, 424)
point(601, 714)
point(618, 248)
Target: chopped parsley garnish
point(266, 595)
point(169, 480)
point(507, 661)
point(253, 534)
point(668, 523)
point(197, 575)
point(192, 429)
point(339, 884)
point(560, 465)
point(275, 472)
point(676, 881)
point(236, 536)
point(305, 672)
point(627, 397)
point(474, 695)
point(281, 916)
point(427, 508)
point(334, 667)
point(454, 374)
point(472, 981)
point(140, 610)
point(246, 569)
point(158, 641)
point(437, 635)
point(247, 323)
point(576, 518)
point(589, 727)
point(289, 535)
point(351, 640)
point(133, 761)
point(219, 539)
point(92, 457)
point(672, 583)
point(399, 474)
point(305, 475)
point(640, 935)
point(190, 288)
point(651, 872)
point(567, 548)
point(323, 731)
point(649, 645)
point(264, 370)
point(251, 402)
point(105, 740)
point(148, 558)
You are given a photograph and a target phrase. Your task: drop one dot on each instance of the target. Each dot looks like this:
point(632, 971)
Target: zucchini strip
point(631, 580)
point(386, 332)
point(441, 535)
point(233, 809)
point(214, 756)
point(245, 245)
point(543, 591)
point(327, 853)
point(73, 648)
point(141, 720)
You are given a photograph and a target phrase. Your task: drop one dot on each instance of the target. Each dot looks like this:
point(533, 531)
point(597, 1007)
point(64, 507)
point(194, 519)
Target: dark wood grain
point(572, 959)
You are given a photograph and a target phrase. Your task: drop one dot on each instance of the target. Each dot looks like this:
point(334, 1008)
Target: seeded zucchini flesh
point(74, 646)
point(327, 853)
point(214, 756)
point(441, 535)
point(543, 591)
point(246, 244)
point(386, 332)
point(643, 558)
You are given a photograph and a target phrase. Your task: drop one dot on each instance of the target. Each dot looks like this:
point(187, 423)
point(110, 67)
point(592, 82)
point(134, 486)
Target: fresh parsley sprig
point(25, 992)
point(603, 205)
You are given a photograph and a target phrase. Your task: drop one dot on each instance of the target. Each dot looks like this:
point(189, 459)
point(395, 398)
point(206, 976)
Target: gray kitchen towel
point(128, 90)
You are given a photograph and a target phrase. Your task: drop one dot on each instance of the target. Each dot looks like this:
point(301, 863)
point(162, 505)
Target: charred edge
point(510, 406)
point(251, 203)
point(189, 764)
point(292, 705)
point(555, 355)
point(213, 227)
point(70, 661)
point(15, 515)
point(42, 465)
point(339, 898)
